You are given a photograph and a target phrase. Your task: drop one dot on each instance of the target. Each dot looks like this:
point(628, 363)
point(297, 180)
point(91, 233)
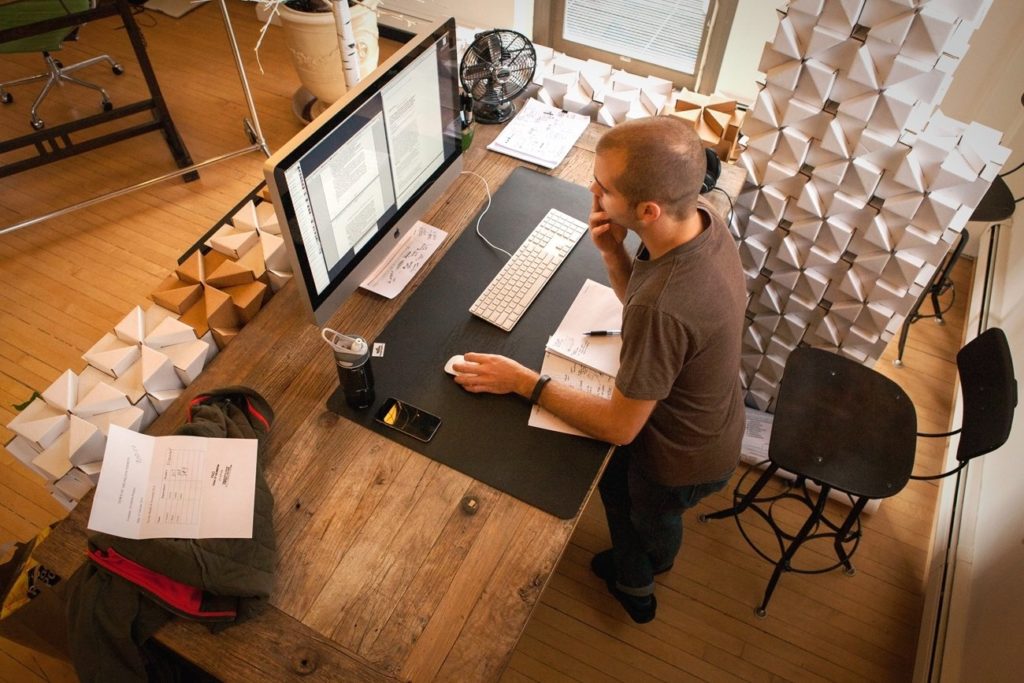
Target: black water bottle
point(355, 373)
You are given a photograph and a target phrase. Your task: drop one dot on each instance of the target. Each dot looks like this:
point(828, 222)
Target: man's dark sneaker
point(640, 609)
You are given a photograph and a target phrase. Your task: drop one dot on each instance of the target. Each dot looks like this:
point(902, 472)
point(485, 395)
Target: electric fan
point(495, 68)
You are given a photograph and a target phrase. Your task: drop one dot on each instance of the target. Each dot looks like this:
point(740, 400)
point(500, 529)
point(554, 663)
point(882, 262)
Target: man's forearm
point(616, 419)
point(590, 414)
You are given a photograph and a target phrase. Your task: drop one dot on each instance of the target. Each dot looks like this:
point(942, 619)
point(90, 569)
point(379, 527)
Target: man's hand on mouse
point(493, 374)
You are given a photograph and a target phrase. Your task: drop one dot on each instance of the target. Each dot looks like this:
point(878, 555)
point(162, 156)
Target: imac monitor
point(348, 187)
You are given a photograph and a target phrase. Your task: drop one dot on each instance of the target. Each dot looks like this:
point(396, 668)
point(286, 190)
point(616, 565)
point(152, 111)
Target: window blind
point(663, 32)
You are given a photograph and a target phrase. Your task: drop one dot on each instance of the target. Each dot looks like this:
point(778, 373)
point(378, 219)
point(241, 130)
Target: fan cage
point(497, 66)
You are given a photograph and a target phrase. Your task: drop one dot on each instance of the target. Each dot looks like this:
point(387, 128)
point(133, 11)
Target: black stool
point(941, 283)
point(996, 206)
point(844, 427)
point(989, 392)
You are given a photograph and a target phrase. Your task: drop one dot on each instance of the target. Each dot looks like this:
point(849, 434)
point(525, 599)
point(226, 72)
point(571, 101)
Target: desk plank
point(516, 584)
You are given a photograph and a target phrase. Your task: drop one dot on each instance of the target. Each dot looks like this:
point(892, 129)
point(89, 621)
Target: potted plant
point(311, 36)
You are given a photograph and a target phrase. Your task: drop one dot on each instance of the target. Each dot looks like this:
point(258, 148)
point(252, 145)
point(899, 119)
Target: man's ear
point(648, 212)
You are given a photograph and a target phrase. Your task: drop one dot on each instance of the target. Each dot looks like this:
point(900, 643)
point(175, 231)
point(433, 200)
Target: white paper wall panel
point(857, 185)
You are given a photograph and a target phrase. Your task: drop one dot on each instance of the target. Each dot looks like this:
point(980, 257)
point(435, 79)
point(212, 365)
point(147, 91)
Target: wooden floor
point(66, 281)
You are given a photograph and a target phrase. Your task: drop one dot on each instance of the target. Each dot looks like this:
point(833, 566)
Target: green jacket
point(110, 618)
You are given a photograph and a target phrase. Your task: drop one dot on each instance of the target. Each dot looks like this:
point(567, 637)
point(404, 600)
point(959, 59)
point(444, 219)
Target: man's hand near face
point(609, 239)
point(607, 236)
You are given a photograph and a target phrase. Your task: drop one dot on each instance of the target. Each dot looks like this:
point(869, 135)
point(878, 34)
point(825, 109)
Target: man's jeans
point(645, 520)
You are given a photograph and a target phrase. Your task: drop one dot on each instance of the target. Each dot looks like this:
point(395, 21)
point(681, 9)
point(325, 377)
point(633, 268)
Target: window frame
point(548, 18)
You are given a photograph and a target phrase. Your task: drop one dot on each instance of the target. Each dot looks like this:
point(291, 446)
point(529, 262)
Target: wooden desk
point(381, 575)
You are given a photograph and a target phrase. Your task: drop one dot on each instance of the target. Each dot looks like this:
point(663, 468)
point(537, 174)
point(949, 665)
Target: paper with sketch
point(405, 260)
point(175, 487)
point(756, 436)
point(540, 134)
point(576, 376)
point(595, 308)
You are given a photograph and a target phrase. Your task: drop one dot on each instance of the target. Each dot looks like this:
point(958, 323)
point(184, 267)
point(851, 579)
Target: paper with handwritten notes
point(576, 376)
point(595, 308)
point(405, 260)
point(175, 487)
point(540, 134)
point(586, 363)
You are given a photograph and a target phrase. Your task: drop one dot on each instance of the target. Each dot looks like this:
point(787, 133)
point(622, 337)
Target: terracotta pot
point(312, 40)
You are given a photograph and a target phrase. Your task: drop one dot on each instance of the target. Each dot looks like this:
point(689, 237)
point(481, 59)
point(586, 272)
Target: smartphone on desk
point(408, 419)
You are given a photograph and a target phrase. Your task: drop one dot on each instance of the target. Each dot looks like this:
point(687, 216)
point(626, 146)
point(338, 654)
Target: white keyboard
point(520, 280)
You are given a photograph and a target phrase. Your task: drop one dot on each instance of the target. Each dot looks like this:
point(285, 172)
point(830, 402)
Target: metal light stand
point(252, 130)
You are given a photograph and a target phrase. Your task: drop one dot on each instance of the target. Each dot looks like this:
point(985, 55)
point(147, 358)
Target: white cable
point(487, 189)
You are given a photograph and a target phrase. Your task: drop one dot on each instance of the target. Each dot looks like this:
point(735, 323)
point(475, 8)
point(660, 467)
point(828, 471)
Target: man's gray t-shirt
point(681, 334)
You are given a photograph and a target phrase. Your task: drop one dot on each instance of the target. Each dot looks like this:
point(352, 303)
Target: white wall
point(514, 14)
point(986, 595)
point(755, 24)
point(988, 83)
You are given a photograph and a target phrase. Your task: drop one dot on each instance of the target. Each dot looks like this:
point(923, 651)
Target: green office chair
point(24, 12)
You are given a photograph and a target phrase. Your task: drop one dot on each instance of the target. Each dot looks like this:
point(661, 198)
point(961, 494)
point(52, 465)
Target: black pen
point(602, 333)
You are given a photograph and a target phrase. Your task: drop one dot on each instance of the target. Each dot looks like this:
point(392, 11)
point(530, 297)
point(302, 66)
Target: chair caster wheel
point(702, 518)
point(108, 105)
point(117, 69)
point(852, 571)
point(7, 98)
point(38, 124)
point(760, 612)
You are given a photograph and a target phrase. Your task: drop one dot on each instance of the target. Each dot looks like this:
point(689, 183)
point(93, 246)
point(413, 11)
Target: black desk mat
point(484, 435)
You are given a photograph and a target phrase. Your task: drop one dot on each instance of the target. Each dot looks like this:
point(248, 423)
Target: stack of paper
point(540, 134)
point(584, 362)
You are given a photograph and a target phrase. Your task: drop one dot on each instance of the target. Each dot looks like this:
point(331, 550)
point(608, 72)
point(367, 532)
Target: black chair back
point(990, 393)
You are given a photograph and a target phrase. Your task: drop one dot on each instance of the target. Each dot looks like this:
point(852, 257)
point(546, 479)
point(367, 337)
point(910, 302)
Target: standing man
point(677, 403)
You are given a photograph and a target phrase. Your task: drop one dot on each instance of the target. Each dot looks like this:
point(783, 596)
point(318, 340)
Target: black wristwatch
point(542, 382)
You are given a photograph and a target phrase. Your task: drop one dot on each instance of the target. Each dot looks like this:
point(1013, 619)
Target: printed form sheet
point(175, 487)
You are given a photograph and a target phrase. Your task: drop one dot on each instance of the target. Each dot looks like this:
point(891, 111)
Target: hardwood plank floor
point(66, 281)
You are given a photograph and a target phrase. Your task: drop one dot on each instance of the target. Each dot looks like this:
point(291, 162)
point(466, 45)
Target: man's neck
point(667, 234)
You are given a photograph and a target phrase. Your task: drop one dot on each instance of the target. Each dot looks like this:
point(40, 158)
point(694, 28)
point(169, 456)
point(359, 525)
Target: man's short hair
point(664, 162)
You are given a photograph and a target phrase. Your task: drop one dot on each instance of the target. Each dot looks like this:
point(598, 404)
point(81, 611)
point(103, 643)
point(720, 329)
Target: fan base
point(490, 113)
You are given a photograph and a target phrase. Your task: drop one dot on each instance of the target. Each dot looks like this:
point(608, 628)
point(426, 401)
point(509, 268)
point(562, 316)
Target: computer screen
point(351, 183)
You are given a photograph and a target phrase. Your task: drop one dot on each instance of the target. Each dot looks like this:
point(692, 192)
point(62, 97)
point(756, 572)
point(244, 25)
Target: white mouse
point(449, 366)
